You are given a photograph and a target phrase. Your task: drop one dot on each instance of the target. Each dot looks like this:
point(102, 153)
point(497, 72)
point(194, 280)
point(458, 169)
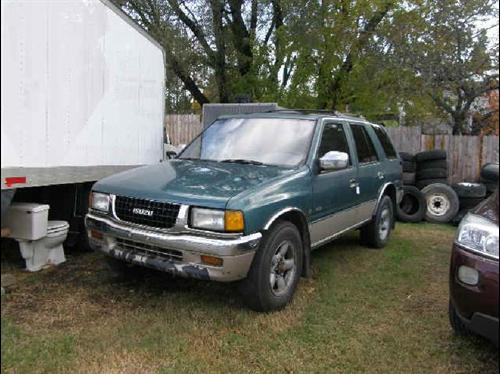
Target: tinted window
point(272, 141)
point(333, 139)
point(364, 146)
point(382, 136)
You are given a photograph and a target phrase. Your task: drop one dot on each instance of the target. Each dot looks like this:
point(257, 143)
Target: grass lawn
point(363, 311)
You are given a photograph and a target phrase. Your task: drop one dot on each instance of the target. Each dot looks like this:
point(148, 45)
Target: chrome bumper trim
point(237, 253)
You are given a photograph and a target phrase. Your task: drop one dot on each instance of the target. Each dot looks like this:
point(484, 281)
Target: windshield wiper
point(242, 161)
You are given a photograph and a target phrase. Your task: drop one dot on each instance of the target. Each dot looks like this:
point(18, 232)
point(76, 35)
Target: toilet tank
point(27, 221)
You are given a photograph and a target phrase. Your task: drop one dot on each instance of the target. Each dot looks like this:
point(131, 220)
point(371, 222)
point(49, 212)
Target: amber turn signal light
point(96, 234)
point(233, 221)
point(211, 260)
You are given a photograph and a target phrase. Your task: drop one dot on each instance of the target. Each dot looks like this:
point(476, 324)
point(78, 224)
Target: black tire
point(256, 289)
point(442, 203)
point(490, 186)
point(432, 174)
point(413, 205)
point(470, 202)
point(435, 164)
point(490, 172)
point(435, 154)
point(409, 179)
point(373, 235)
point(470, 190)
point(460, 215)
point(405, 156)
point(409, 167)
point(421, 184)
point(455, 322)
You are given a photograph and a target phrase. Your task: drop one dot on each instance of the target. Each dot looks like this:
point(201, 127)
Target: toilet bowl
point(47, 250)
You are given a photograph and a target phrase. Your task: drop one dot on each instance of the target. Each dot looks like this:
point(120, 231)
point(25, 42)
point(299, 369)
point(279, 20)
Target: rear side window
point(382, 136)
point(364, 145)
point(333, 139)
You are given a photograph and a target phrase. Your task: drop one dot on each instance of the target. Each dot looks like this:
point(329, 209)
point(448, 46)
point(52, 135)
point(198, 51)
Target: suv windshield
point(270, 141)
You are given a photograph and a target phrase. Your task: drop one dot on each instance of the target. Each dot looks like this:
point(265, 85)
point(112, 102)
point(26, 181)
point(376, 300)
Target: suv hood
point(203, 183)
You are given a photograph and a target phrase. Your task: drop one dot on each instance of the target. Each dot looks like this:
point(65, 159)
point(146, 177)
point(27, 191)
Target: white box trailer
point(82, 95)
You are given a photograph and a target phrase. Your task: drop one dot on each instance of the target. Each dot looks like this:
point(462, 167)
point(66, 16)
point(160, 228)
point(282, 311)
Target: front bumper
point(477, 306)
point(175, 253)
point(484, 325)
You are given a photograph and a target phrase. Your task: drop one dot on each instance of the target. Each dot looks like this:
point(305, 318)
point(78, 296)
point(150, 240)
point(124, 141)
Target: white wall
point(79, 86)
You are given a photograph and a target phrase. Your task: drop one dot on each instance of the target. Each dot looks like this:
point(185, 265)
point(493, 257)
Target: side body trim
point(330, 227)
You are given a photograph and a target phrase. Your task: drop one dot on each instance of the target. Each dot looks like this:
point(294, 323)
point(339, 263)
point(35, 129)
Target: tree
point(220, 35)
point(445, 45)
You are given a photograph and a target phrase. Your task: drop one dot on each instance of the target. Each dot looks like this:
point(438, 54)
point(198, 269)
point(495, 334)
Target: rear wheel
point(376, 233)
point(275, 271)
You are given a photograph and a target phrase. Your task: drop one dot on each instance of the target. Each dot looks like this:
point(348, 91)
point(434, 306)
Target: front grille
point(154, 213)
point(149, 249)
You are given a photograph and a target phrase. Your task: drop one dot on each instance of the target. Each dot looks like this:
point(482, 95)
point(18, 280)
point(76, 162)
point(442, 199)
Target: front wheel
point(376, 233)
point(275, 271)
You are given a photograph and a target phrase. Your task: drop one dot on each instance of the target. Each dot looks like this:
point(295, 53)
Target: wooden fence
point(182, 128)
point(466, 154)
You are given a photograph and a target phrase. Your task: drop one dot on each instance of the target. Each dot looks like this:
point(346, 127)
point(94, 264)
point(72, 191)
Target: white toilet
point(40, 240)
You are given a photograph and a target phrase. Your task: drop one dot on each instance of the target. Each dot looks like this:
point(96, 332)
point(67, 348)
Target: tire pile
point(428, 195)
point(409, 168)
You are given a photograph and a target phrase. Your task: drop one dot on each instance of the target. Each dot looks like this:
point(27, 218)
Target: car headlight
point(217, 220)
point(99, 201)
point(478, 235)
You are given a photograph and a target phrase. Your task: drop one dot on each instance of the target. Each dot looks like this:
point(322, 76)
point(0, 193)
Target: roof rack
point(317, 111)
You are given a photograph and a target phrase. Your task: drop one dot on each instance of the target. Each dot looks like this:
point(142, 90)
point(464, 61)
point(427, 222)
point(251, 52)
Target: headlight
point(99, 201)
point(478, 235)
point(217, 220)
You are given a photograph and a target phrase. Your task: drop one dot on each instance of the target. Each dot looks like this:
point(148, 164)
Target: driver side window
point(333, 139)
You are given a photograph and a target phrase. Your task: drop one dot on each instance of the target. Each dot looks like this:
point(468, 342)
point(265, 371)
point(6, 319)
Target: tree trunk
point(220, 55)
point(459, 122)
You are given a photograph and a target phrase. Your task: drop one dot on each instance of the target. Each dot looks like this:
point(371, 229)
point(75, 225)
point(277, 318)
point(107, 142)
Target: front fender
point(262, 205)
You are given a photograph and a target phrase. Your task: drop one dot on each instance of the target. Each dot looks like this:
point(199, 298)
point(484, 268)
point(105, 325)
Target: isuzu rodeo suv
point(249, 198)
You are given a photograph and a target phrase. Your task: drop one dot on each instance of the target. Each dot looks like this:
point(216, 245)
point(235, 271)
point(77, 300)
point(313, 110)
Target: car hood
point(192, 182)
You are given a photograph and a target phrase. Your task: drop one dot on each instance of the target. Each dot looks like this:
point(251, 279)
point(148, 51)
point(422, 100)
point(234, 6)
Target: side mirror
point(334, 160)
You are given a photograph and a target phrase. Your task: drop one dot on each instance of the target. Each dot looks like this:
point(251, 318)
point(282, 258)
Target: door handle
point(353, 183)
point(380, 175)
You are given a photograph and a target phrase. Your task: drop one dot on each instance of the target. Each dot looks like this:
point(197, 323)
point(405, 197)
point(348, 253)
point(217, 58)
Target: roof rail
point(317, 111)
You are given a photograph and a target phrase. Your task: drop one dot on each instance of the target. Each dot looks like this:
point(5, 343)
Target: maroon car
point(474, 273)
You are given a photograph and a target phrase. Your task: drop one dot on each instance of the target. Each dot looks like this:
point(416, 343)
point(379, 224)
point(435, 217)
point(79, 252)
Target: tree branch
point(194, 27)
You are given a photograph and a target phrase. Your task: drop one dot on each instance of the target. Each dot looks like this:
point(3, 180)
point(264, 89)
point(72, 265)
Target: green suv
point(249, 198)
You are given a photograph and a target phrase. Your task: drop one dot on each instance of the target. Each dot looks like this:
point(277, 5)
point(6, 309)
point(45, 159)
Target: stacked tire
point(432, 167)
point(412, 206)
point(409, 168)
point(469, 196)
point(489, 177)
